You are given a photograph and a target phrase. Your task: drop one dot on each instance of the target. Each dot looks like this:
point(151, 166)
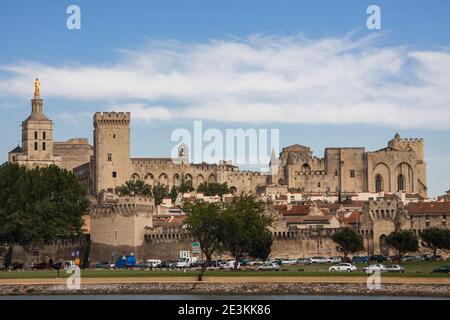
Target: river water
point(215, 297)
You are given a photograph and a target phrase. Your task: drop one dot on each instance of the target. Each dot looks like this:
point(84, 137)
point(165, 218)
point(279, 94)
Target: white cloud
point(259, 79)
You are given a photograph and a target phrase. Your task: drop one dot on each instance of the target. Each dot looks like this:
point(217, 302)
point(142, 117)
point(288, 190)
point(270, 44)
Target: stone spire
point(36, 104)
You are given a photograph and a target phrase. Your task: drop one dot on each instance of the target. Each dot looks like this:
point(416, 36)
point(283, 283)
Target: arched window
point(43, 146)
point(35, 135)
point(378, 183)
point(35, 146)
point(44, 135)
point(401, 183)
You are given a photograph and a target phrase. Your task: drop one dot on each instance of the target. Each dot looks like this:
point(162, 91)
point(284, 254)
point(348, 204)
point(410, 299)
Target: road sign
point(196, 248)
point(185, 254)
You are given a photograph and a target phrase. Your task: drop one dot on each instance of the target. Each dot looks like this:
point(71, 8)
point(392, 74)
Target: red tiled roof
point(349, 218)
point(300, 220)
point(429, 208)
point(297, 210)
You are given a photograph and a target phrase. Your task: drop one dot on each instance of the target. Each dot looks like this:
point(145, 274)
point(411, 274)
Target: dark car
point(443, 269)
point(379, 258)
point(57, 266)
point(359, 259)
point(16, 266)
point(40, 266)
point(430, 257)
point(102, 265)
point(168, 264)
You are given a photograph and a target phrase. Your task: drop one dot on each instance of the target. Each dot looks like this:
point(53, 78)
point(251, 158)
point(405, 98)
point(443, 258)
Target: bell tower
point(37, 135)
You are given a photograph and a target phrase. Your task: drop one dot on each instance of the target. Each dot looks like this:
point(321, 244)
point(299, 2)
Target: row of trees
point(239, 228)
point(402, 241)
point(161, 191)
point(39, 206)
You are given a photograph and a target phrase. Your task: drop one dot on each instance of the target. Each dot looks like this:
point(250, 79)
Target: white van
point(154, 263)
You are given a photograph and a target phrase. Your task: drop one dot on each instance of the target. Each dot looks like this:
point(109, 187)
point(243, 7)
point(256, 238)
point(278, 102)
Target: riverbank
point(239, 286)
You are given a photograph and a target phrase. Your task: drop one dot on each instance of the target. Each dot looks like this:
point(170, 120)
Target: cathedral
point(108, 163)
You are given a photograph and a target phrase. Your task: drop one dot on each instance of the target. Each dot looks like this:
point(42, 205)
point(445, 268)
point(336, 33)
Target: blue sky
point(304, 67)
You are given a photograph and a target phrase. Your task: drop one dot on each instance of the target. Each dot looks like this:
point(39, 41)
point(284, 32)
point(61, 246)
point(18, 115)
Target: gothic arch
point(233, 190)
point(135, 177)
point(176, 180)
point(404, 173)
point(306, 168)
point(188, 177)
point(200, 179)
point(379, 183)
point(211, 178)
point(163, 179)
point(382, 170)
point(149, 179)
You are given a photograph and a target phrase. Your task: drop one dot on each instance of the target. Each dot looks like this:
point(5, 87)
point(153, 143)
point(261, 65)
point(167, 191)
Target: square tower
point(111, 150)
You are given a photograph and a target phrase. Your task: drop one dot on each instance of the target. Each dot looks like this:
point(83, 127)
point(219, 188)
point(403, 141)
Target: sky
point(311, 69)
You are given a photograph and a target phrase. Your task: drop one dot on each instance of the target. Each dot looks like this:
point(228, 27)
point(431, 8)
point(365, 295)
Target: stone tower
point(112, 150)
point(37, 137)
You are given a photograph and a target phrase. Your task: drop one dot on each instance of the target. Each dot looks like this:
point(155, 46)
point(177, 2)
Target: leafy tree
point(40, 206)
point(349, 241)
point(135, 187)
point(213, 189)
point(160, 192)
point(244, 231)
point(185, 187)
point(204, 221)
point(403, 241)
point(436, 238)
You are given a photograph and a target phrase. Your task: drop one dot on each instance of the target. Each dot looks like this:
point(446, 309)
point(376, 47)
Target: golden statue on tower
point(37, 85)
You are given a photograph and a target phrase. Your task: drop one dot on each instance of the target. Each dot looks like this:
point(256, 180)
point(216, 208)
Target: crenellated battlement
point(112, 118)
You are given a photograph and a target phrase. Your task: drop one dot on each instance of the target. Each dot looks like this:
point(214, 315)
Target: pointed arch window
point(400, 183)
point(44, 135)
point(43, 146)
point(36, 146)
point(35, 135)
point(378, 183)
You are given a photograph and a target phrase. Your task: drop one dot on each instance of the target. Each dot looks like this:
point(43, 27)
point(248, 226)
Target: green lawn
point(413, 269)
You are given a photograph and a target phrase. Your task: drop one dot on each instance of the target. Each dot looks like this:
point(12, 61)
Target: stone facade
point(399, 167)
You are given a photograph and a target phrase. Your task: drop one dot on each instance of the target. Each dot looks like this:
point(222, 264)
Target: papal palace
point(376, 192)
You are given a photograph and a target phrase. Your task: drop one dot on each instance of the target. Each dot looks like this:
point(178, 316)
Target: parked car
point(40, 266)
point(317, 259)
point(343, 267)
point(375, 267)
point(379, 258)
point(168, 264)
point(154, 263)
point(183, 263)
point(360, 259)
point(57, 266)
point(289, 262)
point(302, 261)
point(334, 260)
point(144, 265)
point(102, 265)
point(394, 268)
point(443, 269)
point(269, 267)
point(228, 265)
point(411, 258)
point(16, 266)
point(430, 257)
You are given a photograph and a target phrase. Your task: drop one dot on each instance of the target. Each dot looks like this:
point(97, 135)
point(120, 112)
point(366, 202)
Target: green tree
point(184, 187)
point(160, 192)
point(213, 189)
point(134, 188)
point(403, 241)
point(436, 238)
point(349, 241)
point(204, 221)
point(244, 231)
point(42, 205)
